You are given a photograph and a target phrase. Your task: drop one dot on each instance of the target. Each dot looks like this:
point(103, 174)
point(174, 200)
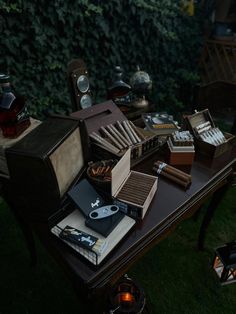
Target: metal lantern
point(225, 263)
point(127, 297)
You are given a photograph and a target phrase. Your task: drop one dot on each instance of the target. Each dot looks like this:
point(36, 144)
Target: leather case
point(87, 199)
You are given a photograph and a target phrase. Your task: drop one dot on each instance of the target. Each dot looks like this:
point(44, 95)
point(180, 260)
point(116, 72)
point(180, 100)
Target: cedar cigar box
point(102, 115)
point(179, 154)
point(201, 146)
point(132, 191)
point(180, 158)
point(44, 165)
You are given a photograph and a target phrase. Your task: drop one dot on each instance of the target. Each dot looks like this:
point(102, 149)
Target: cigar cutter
point(103, 212)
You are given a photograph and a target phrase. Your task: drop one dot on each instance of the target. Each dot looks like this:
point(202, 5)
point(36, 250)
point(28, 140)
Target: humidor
point(213, 151)
point(132, 191)
point(106, 115)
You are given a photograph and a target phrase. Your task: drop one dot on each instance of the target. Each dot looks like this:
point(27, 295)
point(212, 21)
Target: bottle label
point(22, 115)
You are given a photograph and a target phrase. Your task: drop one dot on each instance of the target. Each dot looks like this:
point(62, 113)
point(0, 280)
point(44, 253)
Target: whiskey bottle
point(119, 91)
point(14, 117)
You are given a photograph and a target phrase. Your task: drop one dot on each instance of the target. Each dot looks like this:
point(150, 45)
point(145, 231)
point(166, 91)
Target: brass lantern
point(127, 297)
point(225, 263)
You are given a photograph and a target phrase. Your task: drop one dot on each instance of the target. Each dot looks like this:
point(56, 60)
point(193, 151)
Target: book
point(77, 220)
point(159, 123)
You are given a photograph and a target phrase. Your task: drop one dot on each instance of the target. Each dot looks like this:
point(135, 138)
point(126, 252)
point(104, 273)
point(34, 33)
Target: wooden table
point(169, 207)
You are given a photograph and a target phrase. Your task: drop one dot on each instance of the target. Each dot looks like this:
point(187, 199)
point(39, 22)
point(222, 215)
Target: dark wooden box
point(203, 147)
point(44, 164)
point(102, 115)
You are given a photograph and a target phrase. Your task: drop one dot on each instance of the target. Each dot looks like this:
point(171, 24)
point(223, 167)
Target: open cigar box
point(132, 191)
point(98, 119)
point(212, 150)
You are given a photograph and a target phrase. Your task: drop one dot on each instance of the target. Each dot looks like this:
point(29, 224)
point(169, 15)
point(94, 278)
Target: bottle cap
point(4, 78)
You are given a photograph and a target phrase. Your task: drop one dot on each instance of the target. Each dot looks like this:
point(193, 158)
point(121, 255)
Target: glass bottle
point(119, 91)
point(14, 117)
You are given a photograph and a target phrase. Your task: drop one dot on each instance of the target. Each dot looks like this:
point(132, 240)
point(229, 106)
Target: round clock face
point(83, 83)
point(85, 101)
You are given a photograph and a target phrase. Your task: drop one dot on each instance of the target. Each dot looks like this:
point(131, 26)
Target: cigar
point(120, 126)
point(114, 141)
point(104, 143)
point(131, 194)
point(172, 178)
point(126, 126)
point(135, 189)
point(113, 133)
point(134, 132)
point(173, 171)
point(118, 135)
point(133, 199)
point(142, 137)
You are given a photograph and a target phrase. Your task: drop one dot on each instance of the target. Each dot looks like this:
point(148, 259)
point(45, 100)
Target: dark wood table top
point(170, 204)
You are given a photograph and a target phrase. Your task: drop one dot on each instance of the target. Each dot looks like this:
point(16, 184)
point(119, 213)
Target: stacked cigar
point(118, 137)
point(209, 134)
point(101, 170)
point(181, 138)
point(172, 173)
point(136, 188)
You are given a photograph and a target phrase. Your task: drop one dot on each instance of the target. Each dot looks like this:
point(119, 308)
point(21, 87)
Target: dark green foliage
point(38, 39)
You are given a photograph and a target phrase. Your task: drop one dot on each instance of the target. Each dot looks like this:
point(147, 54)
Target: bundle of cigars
point(118, 137)
point(209, 134)
point(101, 170)
point(172, 173)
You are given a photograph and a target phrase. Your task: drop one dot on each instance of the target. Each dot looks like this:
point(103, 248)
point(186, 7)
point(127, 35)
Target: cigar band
point(162, 166)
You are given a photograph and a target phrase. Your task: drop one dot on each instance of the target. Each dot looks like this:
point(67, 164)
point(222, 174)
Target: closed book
point(77, 220)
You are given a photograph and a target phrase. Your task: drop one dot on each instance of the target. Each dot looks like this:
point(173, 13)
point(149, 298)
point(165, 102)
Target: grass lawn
point(176, 277)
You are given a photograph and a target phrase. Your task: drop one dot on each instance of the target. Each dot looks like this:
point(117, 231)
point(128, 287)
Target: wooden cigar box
point(102, 115)
point(132, 191)
point(180, 155)
point(213, 151)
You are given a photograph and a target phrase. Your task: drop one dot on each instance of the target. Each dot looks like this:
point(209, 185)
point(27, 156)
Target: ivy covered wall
point(39, 38)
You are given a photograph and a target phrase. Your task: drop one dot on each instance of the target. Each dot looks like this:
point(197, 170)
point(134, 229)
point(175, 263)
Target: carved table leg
point(215, 200)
